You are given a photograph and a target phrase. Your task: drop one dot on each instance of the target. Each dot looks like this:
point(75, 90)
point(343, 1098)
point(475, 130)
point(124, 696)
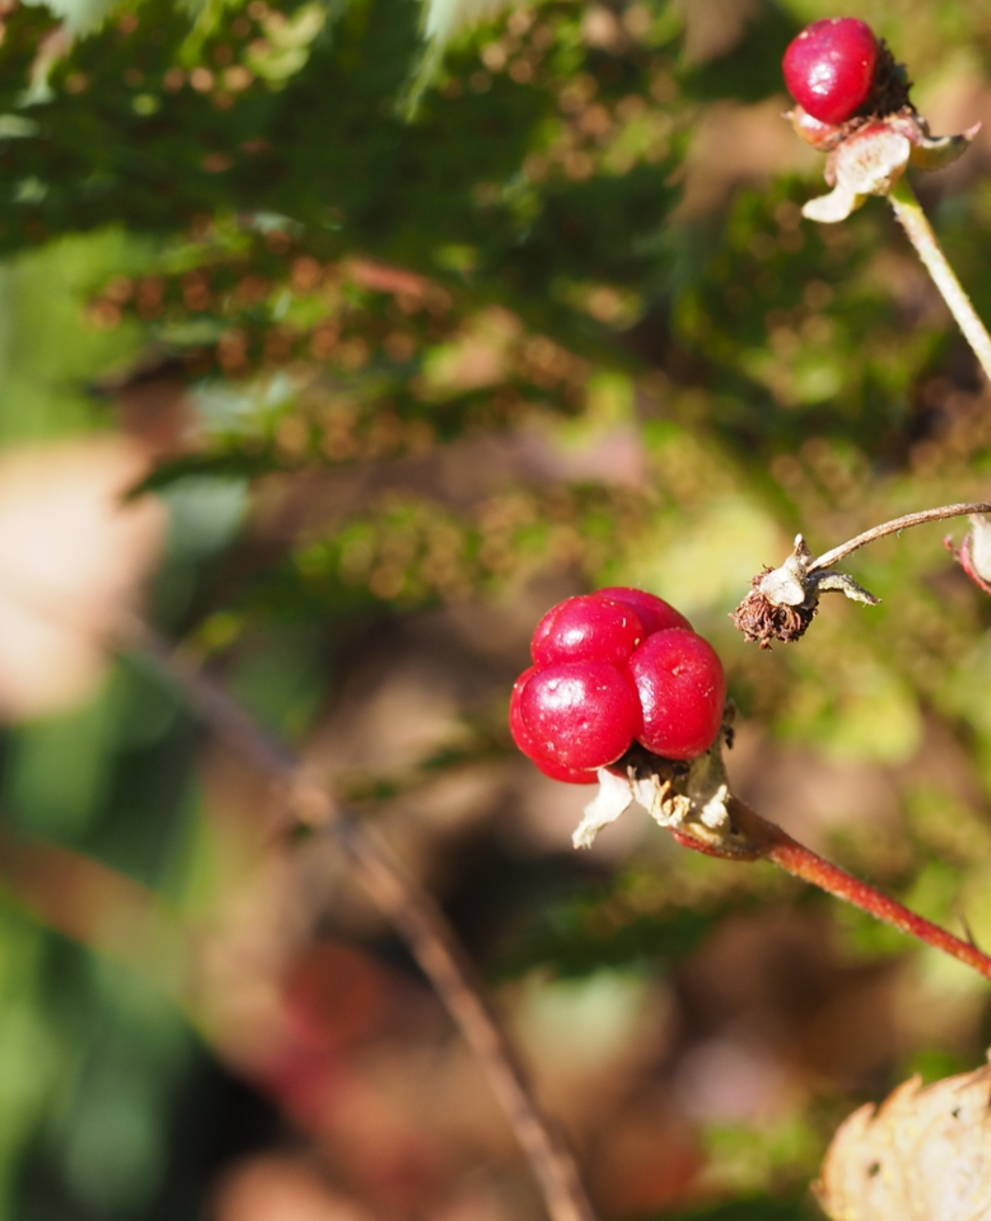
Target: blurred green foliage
point(555, 329)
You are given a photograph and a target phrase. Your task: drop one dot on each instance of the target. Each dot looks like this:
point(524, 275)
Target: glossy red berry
point(829, 68)
point(682, 690)
point(529, 746)
point(611, 669)
point(653, 612)
point(578, 714)
point(587, 628)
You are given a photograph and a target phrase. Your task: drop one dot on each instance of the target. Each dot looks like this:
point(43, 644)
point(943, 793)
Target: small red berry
point(579, 714)
point(654, 613)
point(587, 628)
point(613, 668)
point(528, 745)
point(829, 68)
point(682, 691)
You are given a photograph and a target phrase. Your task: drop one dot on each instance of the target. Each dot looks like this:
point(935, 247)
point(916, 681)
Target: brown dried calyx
point(762, 620)
point(890, 91)
point(691, 799)
point(783, 601)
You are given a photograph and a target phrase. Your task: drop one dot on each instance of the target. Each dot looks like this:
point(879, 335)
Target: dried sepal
point(843, 583)
point(691, 798)
point(923, 1154)
point(868, 156)
point(783, 601)
point(868, 162)
point(613, 797)
point(823, 136)
point(937, 152)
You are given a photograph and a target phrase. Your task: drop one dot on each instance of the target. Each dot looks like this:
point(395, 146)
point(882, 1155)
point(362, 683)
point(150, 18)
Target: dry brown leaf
point(923, 1155)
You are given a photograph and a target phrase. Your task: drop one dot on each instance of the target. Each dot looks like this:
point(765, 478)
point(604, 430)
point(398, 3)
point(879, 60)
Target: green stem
point(920, 233)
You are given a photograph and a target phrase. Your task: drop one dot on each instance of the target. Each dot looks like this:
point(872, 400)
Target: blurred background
point(341, 400)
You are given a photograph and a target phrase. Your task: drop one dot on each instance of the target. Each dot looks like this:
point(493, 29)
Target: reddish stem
point(806, 864)
point(770, 843)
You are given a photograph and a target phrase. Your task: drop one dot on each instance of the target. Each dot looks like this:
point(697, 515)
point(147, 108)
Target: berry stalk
point(769, 842)
point(920, 233)
point(895, 526)
point(782, 601)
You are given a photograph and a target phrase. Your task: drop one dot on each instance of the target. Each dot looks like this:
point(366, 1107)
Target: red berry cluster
point(611, 668)
point(830, 68)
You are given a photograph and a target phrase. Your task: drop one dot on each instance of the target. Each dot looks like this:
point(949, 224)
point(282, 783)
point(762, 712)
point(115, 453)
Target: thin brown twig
point(436, 948)
point(905, 522)
point(430, 938)
point(411, 911)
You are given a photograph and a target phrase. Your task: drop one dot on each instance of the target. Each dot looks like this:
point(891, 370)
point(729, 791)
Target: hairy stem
point(808, 865)
point(839, 552)
point(920, 233)
point(772, 844)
